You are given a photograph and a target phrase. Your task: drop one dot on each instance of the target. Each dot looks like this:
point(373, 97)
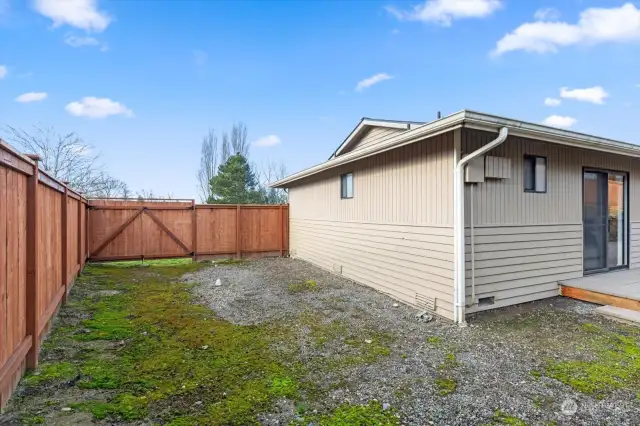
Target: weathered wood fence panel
point(121, 230)
point(41, 229)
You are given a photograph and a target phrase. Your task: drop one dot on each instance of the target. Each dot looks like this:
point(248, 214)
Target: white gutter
point(458, 226)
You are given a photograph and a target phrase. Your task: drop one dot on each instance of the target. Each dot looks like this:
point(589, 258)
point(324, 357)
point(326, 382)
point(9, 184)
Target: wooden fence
point(125, 230)
point(48, 232)
point(42, 250)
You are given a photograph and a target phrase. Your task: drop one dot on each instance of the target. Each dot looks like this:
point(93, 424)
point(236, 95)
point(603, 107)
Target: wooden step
point(600, 298)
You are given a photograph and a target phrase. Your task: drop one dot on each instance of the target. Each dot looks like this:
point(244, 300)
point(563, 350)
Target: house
point(468, 212)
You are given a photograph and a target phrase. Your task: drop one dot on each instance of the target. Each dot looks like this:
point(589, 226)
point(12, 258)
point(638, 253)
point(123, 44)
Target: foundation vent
point(337, 268)
point(425, 302)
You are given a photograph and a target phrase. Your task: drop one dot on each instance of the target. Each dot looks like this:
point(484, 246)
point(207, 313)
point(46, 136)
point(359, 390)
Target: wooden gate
point(124, 230)
point(128, 230)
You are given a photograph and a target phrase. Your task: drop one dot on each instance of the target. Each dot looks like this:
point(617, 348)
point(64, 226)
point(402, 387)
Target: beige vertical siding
point(374, 136)
point(526, 242)
point(395, 235)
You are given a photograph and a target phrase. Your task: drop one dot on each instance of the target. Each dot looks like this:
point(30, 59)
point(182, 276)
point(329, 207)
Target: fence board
point(49, 246)
point(30, 218)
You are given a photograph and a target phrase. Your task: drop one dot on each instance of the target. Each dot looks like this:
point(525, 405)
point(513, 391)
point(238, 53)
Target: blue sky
point(143, 81)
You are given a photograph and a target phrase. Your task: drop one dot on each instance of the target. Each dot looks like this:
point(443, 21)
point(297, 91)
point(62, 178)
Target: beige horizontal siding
point(398, 260)
point(634, 245)
point(517, 264)
point(411, 185)
point(504, 202)
point(374, 136)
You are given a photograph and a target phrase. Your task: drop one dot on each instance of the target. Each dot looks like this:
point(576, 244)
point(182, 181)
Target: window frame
point(546, 174)
point(343, 189)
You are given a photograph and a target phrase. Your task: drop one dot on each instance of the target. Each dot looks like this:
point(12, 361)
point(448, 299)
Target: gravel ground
point(489, 363)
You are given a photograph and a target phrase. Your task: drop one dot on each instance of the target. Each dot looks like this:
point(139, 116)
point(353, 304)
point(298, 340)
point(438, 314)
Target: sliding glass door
point(604, 220)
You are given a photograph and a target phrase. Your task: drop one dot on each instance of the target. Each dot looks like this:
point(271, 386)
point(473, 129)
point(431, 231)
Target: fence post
point(281, 231)
point(65, 261)
point(32, 263)
point(194, 229)
point(79, 236)
point(238, 248)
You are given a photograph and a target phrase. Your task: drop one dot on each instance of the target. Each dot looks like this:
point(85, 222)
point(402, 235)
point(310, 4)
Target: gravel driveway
point(356, 345)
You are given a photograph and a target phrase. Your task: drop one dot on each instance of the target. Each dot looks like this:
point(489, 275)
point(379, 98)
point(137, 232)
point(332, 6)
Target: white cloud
point(266, 141)
point(3, 71)
point(83, 14)
point(596, 25)
point(31, 97)
point(443, 12)
point(93, 107)
point(75, 41)
point(559, 121)
point(368, 82)
point(595, 95)
point(552, 102)
point(546, 14)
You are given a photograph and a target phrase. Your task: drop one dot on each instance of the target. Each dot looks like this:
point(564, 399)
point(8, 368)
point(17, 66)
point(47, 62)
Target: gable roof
point(367, 124)
point(473, 120)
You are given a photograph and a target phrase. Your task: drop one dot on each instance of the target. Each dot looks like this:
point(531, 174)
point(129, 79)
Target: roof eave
point(479, 121)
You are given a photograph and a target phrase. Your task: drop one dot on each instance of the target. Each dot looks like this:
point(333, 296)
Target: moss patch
point(308, 285)
point(50, 371)
point(355, 415)
point(132, 345)
point(446, 385)
point(615, 364)
point(162, 352)
point(502, 418)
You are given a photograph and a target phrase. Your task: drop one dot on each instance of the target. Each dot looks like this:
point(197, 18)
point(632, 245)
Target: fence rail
point(48, 232)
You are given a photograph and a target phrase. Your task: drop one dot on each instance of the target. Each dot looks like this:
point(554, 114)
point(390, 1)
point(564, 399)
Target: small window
point(346, 185)
point(535, 174)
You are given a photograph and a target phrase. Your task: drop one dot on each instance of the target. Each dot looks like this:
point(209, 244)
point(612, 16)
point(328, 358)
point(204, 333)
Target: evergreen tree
point(235, 183)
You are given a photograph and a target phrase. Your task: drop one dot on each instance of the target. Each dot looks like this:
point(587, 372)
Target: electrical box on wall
point(474, 172)
point(497, 167)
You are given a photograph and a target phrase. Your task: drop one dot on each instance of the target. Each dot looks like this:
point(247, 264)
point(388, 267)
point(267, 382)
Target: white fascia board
point(364, 124)
point(481, 121)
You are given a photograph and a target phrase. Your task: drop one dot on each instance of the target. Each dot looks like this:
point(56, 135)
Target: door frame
point(627, 222)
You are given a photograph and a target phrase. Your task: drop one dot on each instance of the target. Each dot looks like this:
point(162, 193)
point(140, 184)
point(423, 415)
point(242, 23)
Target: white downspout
point(458, 226)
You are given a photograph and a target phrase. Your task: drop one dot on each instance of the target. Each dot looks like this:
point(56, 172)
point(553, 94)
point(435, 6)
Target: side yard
point(281, 342)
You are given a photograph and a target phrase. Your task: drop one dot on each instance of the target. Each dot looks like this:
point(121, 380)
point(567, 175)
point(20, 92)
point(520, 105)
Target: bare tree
point(68, 158)
point(145, 194)
point(208, 164)
point(269, 173)
point(239, 139)
point(226, 148)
